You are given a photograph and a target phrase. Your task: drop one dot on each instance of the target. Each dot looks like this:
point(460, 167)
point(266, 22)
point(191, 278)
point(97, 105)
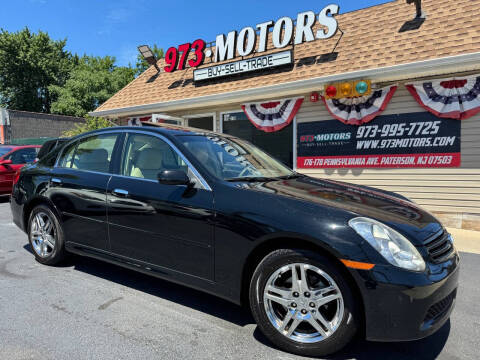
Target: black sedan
point(316, 260)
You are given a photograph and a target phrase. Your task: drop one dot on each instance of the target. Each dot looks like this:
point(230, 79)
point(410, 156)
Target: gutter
point(445, 65)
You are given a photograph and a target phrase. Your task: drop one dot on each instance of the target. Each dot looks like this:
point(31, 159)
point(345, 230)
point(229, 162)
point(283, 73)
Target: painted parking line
point(466, 240)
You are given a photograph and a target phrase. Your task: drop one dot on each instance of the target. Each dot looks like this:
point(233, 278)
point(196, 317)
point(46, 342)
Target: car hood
point(387, 207)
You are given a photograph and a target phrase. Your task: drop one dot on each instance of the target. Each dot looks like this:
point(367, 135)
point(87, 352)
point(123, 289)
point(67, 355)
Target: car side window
point(66, 158)
point(23, 156)
point(90, 154)
point(145, 156)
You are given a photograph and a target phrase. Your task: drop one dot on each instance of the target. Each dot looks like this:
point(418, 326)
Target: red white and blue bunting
point(362, 109)
point(456, 98)
point(274, 115)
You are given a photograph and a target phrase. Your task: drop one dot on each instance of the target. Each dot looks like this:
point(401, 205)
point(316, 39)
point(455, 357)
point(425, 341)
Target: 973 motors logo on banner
point(246, 41)
point(412, 140)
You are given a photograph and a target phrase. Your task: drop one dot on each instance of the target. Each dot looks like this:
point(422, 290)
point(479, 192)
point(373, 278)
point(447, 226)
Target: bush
point(91, 123)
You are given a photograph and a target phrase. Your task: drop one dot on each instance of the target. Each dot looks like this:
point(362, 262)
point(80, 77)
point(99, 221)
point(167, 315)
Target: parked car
point(12, 159)
point(316, 260)
point(50, 145)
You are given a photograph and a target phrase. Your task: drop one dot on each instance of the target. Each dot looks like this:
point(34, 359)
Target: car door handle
point(120, 192)
point(56, 181)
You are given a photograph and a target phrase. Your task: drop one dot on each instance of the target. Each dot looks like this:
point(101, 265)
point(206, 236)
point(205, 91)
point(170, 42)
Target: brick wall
point(25, 124)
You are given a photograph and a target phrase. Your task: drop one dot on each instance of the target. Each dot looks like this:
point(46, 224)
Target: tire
point(48, 244)
point(329, 282)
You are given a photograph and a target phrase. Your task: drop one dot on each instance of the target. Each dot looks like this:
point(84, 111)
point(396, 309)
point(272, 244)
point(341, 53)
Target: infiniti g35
point(316, 260)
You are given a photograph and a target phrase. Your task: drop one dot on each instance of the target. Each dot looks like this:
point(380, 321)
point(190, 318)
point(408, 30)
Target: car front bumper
point(404, 306)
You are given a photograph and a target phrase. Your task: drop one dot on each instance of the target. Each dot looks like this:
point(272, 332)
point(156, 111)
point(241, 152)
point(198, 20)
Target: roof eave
point(438, 66)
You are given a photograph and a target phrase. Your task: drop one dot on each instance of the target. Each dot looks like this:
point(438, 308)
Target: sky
point(116, 28)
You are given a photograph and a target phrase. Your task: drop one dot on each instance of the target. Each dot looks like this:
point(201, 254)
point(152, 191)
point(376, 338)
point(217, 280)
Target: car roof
point(165, 129)
point(56, 140)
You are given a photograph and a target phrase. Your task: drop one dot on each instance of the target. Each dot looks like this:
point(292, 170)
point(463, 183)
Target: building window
point(278, 144)
point(201, 122)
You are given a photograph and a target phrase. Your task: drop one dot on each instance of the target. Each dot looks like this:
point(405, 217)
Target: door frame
point(294, 134)
point(194, 116)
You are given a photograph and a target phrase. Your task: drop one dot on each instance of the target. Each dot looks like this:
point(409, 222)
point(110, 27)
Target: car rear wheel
point(46, 236)
point(302, 303)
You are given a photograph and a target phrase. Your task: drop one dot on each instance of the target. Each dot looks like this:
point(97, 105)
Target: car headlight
point(394, 247)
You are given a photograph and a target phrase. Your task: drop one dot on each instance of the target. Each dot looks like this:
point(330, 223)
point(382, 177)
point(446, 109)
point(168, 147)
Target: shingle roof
point(372, 38)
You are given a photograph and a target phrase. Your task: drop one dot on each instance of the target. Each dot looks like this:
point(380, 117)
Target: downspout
point(4, 122)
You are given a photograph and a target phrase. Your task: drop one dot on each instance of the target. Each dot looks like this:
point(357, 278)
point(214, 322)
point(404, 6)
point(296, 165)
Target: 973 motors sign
point(414, 140)
point(252, 40)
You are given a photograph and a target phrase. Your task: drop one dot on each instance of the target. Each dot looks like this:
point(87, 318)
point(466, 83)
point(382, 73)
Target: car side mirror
point(6, 162)
point(173, 177)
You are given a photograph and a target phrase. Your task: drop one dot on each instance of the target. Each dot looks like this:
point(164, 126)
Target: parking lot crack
point(108, 303)
point(5, 272)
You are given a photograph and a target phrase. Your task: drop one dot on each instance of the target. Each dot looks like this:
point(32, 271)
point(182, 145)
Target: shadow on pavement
point(4, 199)
point(425, 349)
point(183, 295)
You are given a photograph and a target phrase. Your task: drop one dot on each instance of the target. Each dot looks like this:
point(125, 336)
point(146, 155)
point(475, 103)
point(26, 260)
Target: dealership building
point(387, 96)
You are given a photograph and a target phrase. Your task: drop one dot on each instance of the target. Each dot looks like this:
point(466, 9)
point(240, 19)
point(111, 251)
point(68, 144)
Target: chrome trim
point(120, 192)
point(195, 172)
point(80, 137)
point(433, 237)
point(134, 178)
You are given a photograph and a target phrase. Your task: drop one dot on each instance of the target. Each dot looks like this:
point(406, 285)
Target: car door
point(78, 188)
point(5, 176)
point(164, 225)
point(19, 158)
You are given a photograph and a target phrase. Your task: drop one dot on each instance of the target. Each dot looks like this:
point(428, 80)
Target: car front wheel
point(302, 303)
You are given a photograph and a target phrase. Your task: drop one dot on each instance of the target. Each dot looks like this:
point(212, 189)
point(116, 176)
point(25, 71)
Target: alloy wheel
point(303, 303)
point(43, 234)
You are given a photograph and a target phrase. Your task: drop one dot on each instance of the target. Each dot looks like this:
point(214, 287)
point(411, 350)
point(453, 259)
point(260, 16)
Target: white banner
point(243, 66)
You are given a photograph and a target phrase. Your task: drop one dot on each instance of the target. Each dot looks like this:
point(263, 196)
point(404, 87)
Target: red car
point(12, 159)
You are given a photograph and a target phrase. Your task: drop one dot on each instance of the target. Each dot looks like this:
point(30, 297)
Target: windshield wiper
point(264, 178)
point(291, 176)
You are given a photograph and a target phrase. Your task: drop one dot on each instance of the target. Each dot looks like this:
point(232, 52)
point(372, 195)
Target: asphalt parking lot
point(87, 309)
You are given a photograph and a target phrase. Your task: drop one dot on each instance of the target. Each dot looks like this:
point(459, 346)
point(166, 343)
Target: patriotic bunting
point(456, 98)
point(274, 115)
point(362, 109)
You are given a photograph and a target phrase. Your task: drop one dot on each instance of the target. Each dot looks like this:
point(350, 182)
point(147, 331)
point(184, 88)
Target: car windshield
point(233, 159)
point(4, 150)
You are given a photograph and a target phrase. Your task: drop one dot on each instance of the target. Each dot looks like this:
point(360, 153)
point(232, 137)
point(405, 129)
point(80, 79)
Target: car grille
point(440, 247)
point(440, 308)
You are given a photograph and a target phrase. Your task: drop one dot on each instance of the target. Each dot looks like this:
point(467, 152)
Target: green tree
point(142, 65)
point(91, 123)
point(93, 81)
point(29, 64)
